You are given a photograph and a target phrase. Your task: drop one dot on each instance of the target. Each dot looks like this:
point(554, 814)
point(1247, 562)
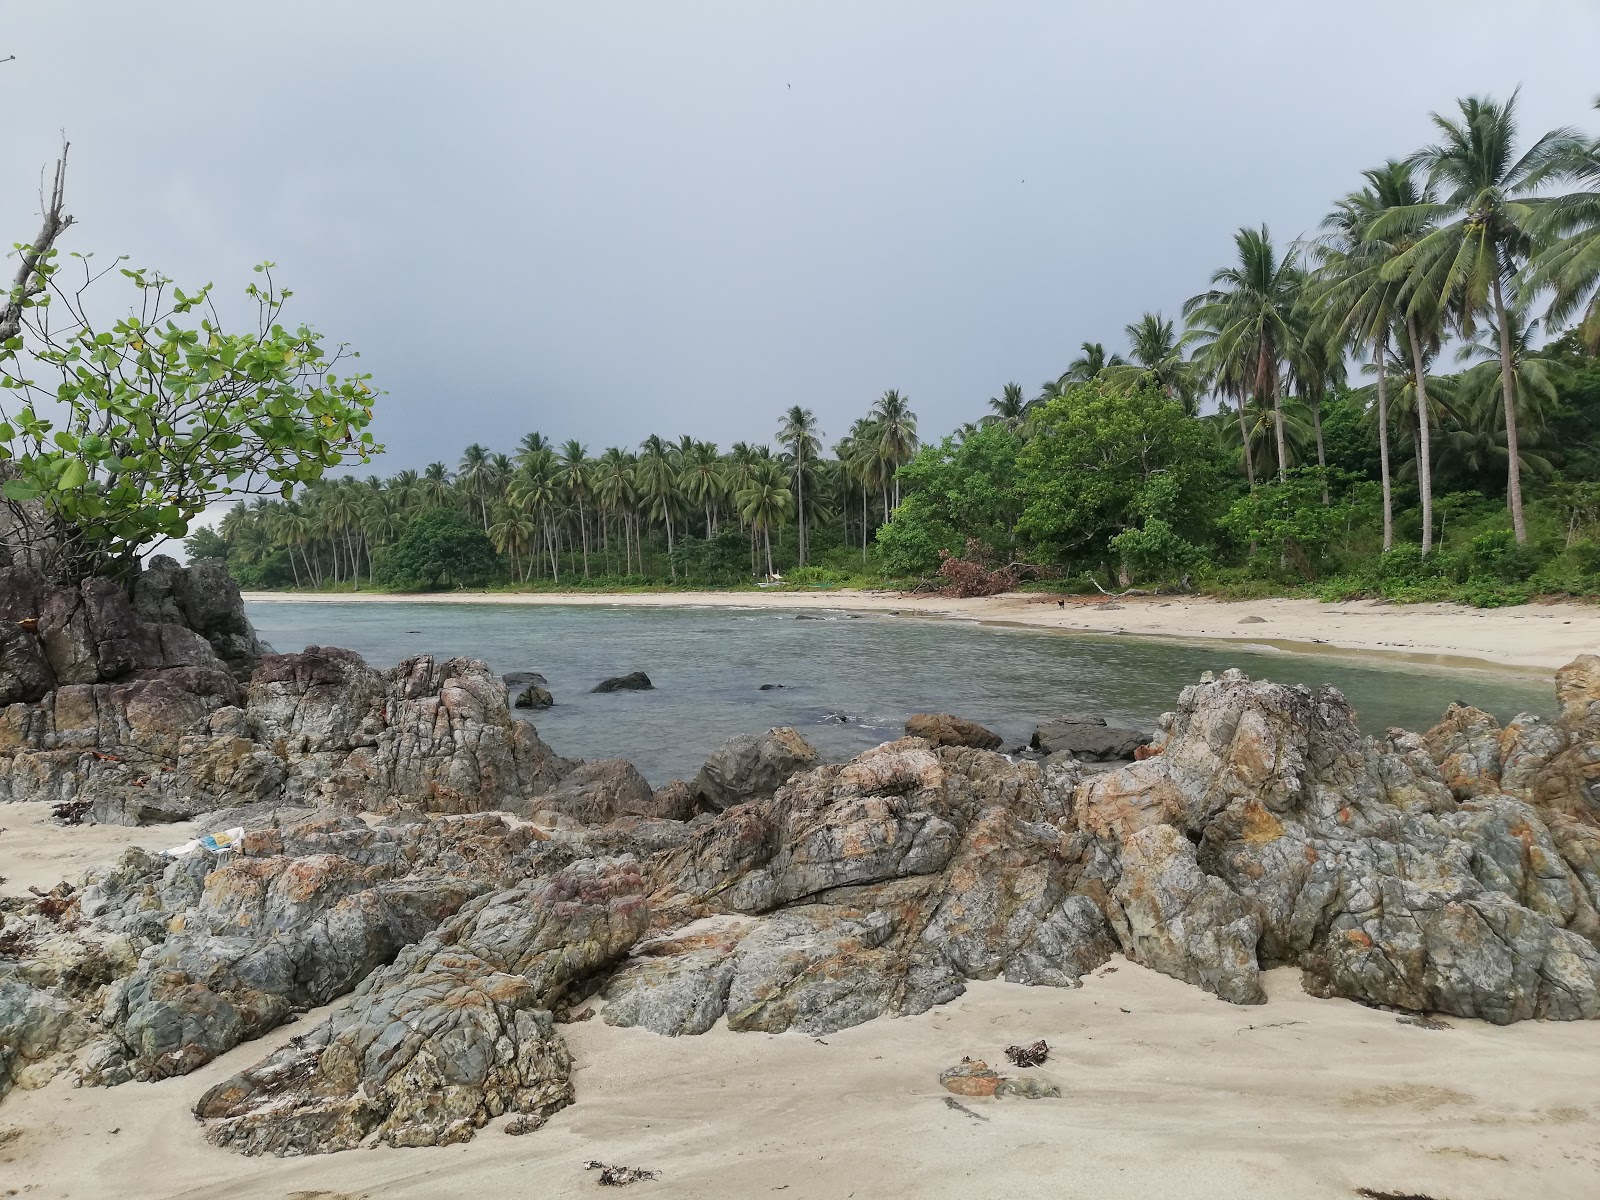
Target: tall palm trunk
point(1508, 396)
point(800, 499)
point(1267, 370)
point(1322, 457)
point(1424, 439)
point(1382, 359)
point(583, 529)
point(766, 533)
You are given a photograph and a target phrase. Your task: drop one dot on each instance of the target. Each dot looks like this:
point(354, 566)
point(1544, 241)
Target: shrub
point(439, 548)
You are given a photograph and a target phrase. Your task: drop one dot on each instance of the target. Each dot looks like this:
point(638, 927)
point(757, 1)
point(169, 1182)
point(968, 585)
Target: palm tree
point(614, 488)
point(436, 484)
point(764, 502)
point(1570, 264)
point(1246, 321)
point(798, 431)
point(897, 435)
point(576, 479)
point(658, 484)
point(1358, 305)
point(1488, 218)
point(474, 476)
point(1157, 361)
point(1536, 384)
point(1090, 362)
point(1009, 409)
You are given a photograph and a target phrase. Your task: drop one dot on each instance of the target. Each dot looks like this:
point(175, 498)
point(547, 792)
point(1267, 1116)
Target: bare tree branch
point(28, 282)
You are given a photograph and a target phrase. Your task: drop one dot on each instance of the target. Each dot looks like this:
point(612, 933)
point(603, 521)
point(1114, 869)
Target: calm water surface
point(849, 683)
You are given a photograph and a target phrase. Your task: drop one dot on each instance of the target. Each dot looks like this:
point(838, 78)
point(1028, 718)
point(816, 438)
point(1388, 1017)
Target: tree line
point(1302, 426)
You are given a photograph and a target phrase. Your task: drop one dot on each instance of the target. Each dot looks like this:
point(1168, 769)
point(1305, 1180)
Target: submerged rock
point(534, 696)
point(636, 681)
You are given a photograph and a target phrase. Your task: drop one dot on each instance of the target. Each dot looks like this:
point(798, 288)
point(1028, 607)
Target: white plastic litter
point(217, 843)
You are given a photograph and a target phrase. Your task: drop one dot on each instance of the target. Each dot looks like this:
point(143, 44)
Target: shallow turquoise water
point(708, 663)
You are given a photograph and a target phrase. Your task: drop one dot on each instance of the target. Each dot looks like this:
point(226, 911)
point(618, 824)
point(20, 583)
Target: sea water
point(847, 683)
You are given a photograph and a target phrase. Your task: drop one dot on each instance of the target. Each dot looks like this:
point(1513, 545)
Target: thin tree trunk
point(1277, 417)
point(1383, 438)
point(1244, 440)
point(1322, 458)
point(1424, 438)
point(863, 524)
point(766, 533)
point(800, 499)
point(1508, 396)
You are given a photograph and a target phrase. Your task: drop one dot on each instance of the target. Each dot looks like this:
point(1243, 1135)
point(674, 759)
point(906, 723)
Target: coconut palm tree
point(1569, 265)
point(578, 483)
point(475, 475)
point(1008, 409)
point(799, 432)
point(1245, 322)
point(1091, 360)
point(1486, 219)
point(897, 436)
point(657, 476)
point(614, 490)
point(1357, 305)
point(1156, 360)
point(764, 502)
point(436, 484)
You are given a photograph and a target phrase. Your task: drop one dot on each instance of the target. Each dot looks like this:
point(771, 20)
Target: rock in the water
point(772, 687)
point(1088, 738)
point(534, 696)
point(943, 729)
point(455, 1032)
point(521, 679)
point(635, 681)
point(752, 766)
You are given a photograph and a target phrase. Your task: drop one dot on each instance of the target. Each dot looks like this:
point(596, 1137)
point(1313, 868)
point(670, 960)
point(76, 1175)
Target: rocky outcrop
point(533, 696)
point(1088, 738)
point(1426, 872)
point(454, 1032)
point(202, 597)
point(881, 886)
point(752, 766)
point(943, 729)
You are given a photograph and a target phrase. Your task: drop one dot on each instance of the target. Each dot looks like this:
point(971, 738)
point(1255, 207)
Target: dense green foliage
point(1370, 412)
point(439, 548)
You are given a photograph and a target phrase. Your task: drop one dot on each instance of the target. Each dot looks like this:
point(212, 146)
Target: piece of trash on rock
point(1030, 1055)
point(619, 1176)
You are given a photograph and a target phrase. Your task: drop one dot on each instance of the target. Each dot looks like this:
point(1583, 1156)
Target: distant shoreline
point(1534, 638)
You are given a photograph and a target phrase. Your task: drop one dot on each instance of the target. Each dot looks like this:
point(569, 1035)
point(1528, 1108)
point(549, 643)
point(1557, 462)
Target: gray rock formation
point(1088, 738)
point(454, 1032)
point(202, 597)
point(752, 766)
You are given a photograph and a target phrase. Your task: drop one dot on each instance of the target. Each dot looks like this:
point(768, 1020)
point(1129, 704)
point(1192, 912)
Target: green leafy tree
point(956, 490)
point(1104, 460)
point(118, 434)
point(439, 548)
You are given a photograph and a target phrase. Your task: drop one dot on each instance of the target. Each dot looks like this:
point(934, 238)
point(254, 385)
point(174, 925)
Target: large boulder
point(944, 729)
point(752, 766)
point(600, 791)
point(1088, 738)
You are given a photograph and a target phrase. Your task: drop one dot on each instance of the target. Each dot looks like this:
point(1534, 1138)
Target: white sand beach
point(1535, 637)
point(1166, 1091)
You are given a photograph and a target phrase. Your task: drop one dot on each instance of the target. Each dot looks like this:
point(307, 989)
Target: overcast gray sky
point(602, 220)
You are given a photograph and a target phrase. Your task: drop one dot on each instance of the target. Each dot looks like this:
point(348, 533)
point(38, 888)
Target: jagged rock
point(752, 766)
point(298, 917)
point(943, 729)
point(534, 696)
point(1183, 922)
point(676, 985)
point(600, 791)
point(454, 1032)
point(636, 681)
point(674, 801)
point(34, 1025)
point(521, 679)
point(896, 877)
point(1088, 738)
point(202, 597)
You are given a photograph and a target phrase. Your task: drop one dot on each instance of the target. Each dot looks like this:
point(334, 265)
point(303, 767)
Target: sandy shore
point(1166, 1092)
point(1535, 637)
